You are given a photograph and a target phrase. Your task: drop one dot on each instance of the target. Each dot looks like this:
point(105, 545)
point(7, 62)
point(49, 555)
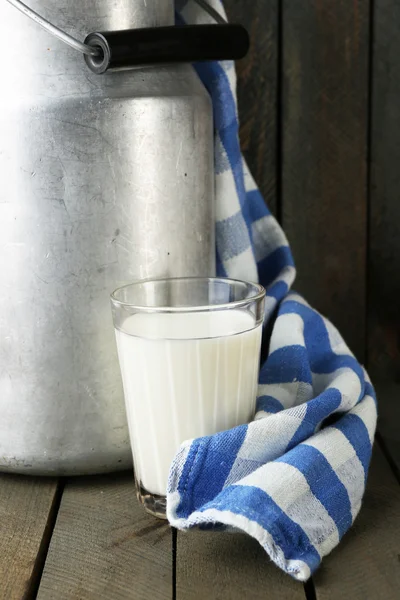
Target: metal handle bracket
point(54, 30)
point(116, 50)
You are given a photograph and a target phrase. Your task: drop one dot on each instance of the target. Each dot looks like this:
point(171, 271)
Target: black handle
point(131, 48)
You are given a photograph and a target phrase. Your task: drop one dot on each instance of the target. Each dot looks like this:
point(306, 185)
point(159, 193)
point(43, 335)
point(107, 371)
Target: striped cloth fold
point(294, 478)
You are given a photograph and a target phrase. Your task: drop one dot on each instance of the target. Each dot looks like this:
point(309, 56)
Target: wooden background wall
point(319, 101)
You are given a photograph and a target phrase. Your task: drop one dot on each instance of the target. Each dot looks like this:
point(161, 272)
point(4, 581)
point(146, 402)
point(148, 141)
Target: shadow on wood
point(105, 546)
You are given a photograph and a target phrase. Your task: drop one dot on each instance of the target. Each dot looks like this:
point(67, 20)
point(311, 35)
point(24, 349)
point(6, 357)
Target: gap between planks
point(28, 510)
point(105, 547)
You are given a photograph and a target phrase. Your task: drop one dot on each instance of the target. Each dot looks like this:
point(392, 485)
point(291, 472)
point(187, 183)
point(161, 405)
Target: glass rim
point(258, 296)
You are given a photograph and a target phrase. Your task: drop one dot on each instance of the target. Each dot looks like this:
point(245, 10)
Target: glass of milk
point(189, 352)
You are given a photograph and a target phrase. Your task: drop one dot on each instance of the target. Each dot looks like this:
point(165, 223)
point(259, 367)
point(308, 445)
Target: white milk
point(200, 379)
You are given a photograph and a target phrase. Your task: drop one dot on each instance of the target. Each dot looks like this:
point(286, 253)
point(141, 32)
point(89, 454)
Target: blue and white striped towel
point(294, 478)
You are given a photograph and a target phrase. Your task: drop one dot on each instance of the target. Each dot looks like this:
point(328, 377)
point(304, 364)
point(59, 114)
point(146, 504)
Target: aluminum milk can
point(105, 179)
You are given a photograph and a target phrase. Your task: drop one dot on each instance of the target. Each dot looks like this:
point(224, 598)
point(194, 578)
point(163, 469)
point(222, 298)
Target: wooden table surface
point(89, 539)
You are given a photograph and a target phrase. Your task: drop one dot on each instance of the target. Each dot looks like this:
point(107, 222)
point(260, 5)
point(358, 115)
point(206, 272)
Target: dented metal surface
point(104, 180)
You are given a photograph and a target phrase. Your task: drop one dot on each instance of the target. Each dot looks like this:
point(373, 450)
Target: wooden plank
point(258, 91)
point(229, 566)
point(26, 513)
point(324, 150)
point(389, 420)
point(384, 238)
point(105, 546)
point(366, 563)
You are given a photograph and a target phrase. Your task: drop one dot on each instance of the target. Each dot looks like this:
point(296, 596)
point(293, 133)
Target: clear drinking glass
point(189, 352)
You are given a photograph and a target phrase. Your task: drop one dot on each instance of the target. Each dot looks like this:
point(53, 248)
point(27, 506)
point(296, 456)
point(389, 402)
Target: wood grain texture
point(324, 152)
point(366, 563)
point(226, 566)
point(389, 421)
point(105, 547)
point(384, 231)
point(25, 514)
point(258, 91)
